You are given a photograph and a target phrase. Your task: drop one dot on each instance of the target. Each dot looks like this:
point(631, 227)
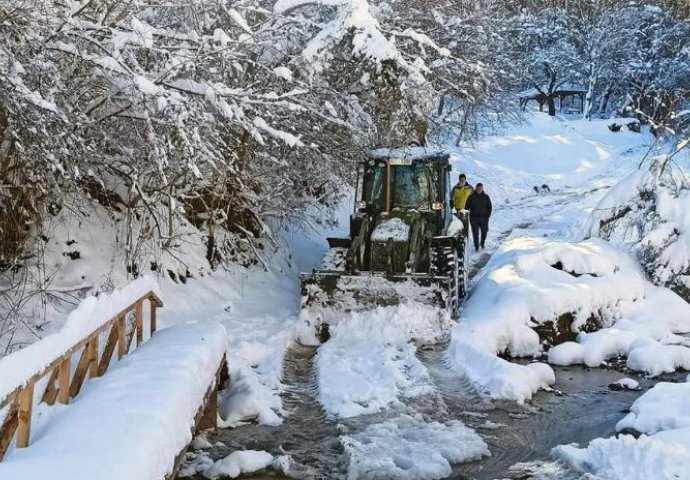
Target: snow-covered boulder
point(664, 407)
point(596, 294)
point(650, 341)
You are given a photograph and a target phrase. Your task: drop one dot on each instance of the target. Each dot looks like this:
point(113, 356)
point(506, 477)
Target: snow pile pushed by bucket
point(530, 282)
point(369, 364)
point(662, 451)
point(409, 448)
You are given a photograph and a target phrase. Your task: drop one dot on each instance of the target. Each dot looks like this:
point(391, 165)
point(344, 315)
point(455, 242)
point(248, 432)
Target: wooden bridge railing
point(64, 383)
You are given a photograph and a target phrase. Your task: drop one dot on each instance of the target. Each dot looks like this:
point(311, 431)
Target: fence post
point(26, 400)
point(139, 321)
point(121, 336)
point(154, 320)
point(64, 380)
point(93, 356)
point(8, 427)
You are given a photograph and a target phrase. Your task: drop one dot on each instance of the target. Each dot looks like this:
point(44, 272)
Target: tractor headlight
point(437, 206)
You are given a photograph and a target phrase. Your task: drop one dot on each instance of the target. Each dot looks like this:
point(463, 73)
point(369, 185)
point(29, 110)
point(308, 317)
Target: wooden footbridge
point(138, 411)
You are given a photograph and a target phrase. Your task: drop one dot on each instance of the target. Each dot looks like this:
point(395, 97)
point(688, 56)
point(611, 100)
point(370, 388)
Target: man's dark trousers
point(480, 227)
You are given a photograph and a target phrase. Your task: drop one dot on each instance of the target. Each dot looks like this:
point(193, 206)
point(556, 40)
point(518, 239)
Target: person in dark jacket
point(479, 205)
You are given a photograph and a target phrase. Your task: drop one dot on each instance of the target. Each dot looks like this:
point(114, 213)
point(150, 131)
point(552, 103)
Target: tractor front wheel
point(445, 262)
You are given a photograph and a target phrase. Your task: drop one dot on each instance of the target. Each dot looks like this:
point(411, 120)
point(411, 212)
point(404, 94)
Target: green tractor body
point(405, 244)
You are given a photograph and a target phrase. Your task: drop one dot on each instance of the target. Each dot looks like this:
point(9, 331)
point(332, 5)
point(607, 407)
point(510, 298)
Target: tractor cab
point(402, 183)
point(402, 198)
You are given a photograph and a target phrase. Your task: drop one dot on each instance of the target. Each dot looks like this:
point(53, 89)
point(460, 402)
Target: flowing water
point(580, 408)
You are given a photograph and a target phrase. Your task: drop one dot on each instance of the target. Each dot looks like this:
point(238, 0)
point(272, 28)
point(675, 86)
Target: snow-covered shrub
point(166, 117)
point(153, 137)
point(649, 211)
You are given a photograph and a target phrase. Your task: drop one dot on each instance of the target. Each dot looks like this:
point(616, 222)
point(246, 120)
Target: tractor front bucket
point(347, 292)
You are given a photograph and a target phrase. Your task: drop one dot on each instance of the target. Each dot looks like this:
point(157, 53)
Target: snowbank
point(259, 333)
point(664, 407)
point(641, 333)
point(664, 456)
point(133, 422)
point(663, 451)
point(16, 369)
point(530, 281)
point(369, 364)
point(259, 308)
point(256, 380)
point(409, 448)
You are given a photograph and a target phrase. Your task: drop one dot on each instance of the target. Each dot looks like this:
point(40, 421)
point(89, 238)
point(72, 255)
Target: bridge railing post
point(26, 402)
point(63, 380)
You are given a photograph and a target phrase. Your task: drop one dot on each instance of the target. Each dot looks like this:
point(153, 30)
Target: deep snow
point(370, 364)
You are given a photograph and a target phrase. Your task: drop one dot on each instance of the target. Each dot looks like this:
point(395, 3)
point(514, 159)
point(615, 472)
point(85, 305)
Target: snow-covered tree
point(171, 117)
point(648, 212)
point(402, 61)
point(546, 50)
point(652, 75)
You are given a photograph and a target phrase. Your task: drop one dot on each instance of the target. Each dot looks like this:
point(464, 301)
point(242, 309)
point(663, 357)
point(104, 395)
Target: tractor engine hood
point(391, 228)
point(390, 245)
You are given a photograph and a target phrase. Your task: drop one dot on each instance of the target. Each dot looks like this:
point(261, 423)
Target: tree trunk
point(589, 99)
point(604, 105)
point(552, 105)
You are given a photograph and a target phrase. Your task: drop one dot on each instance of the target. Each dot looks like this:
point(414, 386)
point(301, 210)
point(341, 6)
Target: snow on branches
point(176, 116)
point(648, 212)
point(414, 69)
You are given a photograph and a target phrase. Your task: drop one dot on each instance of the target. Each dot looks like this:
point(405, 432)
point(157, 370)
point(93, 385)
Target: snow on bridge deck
point(132, 423)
